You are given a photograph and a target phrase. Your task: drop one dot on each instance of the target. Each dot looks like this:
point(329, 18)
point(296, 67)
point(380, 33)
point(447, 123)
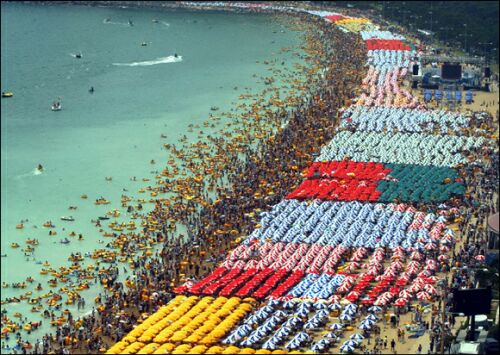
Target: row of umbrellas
point(402, 148)
point(347, 223)
point(379, 119)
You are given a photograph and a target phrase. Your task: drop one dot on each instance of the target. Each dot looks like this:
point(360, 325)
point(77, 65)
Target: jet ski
point(56, 106)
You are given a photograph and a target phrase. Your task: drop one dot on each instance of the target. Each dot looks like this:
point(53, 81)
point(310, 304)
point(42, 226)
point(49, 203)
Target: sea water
point(139, 93)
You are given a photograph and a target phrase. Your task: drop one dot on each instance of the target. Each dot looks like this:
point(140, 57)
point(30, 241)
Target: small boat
point(56, 106)
point(155, 21)
point(66, 218)
point(103, 218)
point(101, 201)
point(78, 55)
point(214, 108)
point(144, 44)
point(7, 94)
point(65, 241)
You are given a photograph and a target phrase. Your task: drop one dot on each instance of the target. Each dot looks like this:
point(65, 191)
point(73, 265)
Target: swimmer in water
point(40, 168)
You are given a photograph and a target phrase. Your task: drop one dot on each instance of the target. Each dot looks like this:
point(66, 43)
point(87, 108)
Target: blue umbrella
point(368, 321)
point(351, 306)
point(372, 317)
point(375, 309)
point(347, 348)
point(331, 335)
point(357, 336)
point(271, 345)
point(349, 311)
point(351, 343)
point(335, 306)
point(336, 326)
point(365, 326)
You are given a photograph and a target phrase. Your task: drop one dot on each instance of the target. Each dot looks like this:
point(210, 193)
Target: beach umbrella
point(404, 294)
point(372, 317)
point(479, 257)
point(335, 306)
point(351, 343)
point(443, 257)
point(346, 348)
point(400, 302)
point(336, 326)
point(331, 335)
point(430, 289)
point(423, 296)
point(368, 321)
point(356, 336)
point(430, 246)
point(375, 309)
point(351, 306)
point(345, 317)
point(365, 326)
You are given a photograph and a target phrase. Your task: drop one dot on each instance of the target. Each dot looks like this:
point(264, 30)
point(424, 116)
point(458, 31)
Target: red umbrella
point(423, 296)
point(443, 257)
point(394, 290)
point(430, 289)
point(404, 294)
point(400, 302)
point(431, 279)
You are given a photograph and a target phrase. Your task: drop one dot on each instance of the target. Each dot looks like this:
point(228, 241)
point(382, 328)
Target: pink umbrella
point(430, 246)
point(479, 257)
point(444, 248)
point(415, 256)
point(443, 257)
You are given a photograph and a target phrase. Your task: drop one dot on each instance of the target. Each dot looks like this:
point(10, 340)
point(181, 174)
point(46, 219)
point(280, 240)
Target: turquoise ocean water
point(140, 92)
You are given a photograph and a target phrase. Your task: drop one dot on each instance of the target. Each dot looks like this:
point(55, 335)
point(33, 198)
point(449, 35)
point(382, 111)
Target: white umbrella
point(345, 317)
point(365, 326)
point(357, 336)
point(336, 326)
point(347, 348)
point(375, 309)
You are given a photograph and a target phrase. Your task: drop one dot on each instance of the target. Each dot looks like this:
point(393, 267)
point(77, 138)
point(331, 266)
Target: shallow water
point(140, 92)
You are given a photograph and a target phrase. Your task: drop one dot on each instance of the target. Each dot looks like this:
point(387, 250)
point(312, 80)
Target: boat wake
point(115, 23)
point(34, 172)
point(161, 60)
point(165, 23)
